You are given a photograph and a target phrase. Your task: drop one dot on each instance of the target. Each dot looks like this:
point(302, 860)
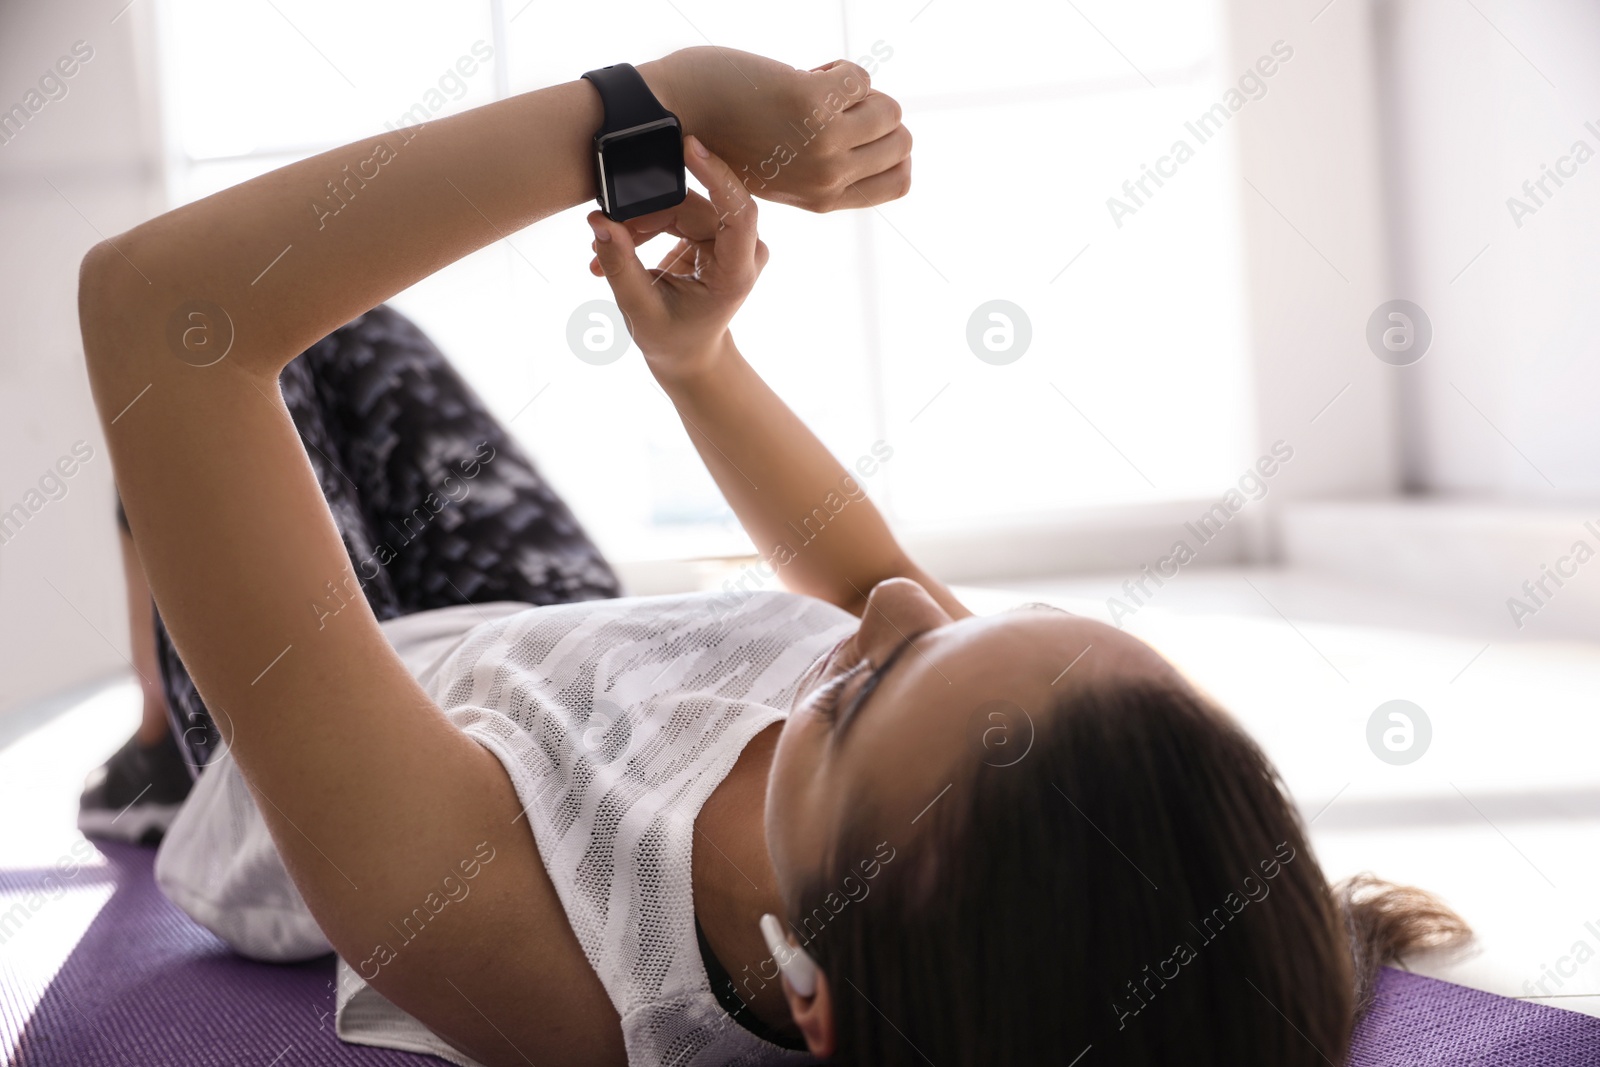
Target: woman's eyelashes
point(831, 697)
point(809, 683)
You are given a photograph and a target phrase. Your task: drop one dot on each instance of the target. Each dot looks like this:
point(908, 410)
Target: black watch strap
point(627, 100)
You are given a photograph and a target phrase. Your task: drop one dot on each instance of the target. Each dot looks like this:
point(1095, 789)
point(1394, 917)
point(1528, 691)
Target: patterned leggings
point(435, 502)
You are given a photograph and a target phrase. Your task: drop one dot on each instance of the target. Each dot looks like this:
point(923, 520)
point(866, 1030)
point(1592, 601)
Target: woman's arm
point(768, 463)
point(371, 795)
point(786, 487)
point(292, 255)
point(154, 723)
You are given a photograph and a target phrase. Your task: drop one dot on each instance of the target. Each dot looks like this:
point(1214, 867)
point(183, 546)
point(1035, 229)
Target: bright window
point(1027, 115)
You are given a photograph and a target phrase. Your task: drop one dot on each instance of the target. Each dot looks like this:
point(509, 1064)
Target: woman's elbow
point(97, 285)
point(114, 298)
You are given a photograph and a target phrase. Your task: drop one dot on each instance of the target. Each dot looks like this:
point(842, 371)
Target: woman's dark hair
point(1138, 884)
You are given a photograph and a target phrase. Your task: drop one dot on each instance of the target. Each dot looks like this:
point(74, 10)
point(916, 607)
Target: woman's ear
point(814, 1016)
point(805, 987)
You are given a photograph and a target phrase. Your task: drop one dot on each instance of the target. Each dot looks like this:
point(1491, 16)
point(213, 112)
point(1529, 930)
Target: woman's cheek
point(791, 753)
point(797, 762)
point(782, 808)
point(795, 805)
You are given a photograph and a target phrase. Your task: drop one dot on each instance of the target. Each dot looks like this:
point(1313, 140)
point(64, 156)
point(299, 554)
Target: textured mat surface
point(144, 985)
point(1422, 1022)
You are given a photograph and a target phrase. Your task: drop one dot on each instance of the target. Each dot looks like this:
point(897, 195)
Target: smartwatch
point(638, 151)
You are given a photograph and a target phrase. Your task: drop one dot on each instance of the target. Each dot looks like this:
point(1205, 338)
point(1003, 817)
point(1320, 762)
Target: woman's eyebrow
point(849, 714)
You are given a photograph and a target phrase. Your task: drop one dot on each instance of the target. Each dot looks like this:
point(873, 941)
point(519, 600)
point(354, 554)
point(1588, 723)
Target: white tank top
point(615, 720)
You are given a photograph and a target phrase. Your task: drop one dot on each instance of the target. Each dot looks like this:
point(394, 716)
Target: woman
point(550, 834)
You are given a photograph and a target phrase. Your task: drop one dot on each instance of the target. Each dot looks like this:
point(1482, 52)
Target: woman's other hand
point(820, 139)
point(678, 313)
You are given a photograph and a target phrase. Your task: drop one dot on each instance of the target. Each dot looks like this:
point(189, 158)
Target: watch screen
point(646, 166)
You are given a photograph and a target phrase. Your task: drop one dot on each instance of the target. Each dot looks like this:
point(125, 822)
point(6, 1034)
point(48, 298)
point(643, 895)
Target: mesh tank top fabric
point(615, 721)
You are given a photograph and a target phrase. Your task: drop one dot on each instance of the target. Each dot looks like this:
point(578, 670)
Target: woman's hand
point(820, 139)
point(678, 313)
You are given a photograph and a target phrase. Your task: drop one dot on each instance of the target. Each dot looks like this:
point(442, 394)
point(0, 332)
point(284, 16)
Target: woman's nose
point(897, 609)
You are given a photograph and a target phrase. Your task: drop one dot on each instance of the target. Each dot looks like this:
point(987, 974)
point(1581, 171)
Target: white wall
point(1482, 96)
point(1376, 166)
point(72, 174)
point(1311, 188)
point(1308, 146)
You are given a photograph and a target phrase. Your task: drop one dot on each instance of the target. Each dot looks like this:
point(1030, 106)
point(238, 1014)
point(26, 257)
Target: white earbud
point(799, 968)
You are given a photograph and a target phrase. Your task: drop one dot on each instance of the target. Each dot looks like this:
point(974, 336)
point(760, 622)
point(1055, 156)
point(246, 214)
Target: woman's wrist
point(688, 373)
point(662, 75)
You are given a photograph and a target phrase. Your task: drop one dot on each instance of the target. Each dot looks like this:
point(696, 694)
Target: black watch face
point(644, 172)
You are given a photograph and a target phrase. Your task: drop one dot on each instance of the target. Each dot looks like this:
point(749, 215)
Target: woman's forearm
point(808, 516)
point(290, 256)
point(295, 253)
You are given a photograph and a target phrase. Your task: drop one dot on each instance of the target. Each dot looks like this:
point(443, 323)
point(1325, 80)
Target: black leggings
point(437, 505)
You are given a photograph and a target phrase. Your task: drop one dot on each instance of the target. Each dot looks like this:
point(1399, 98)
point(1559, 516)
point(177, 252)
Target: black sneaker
point(135, 795)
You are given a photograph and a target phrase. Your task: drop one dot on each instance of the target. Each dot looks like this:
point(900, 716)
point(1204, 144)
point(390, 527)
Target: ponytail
point(1386, 922)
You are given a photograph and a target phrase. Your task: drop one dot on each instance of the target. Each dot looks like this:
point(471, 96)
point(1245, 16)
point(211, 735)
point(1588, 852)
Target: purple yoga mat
point(145, 985)
point(1422, 1022)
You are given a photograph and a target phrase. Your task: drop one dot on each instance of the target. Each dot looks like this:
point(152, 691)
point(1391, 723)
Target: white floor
point(1501, 816)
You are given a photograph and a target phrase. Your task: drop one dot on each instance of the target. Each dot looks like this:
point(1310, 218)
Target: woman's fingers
point(681, 260)
point(848, 79)
point(869, 119)
point(735, 207)
point(614, 249)
point(881, 155)
point(879, 188)
point(693, 220)
point(726, 222)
